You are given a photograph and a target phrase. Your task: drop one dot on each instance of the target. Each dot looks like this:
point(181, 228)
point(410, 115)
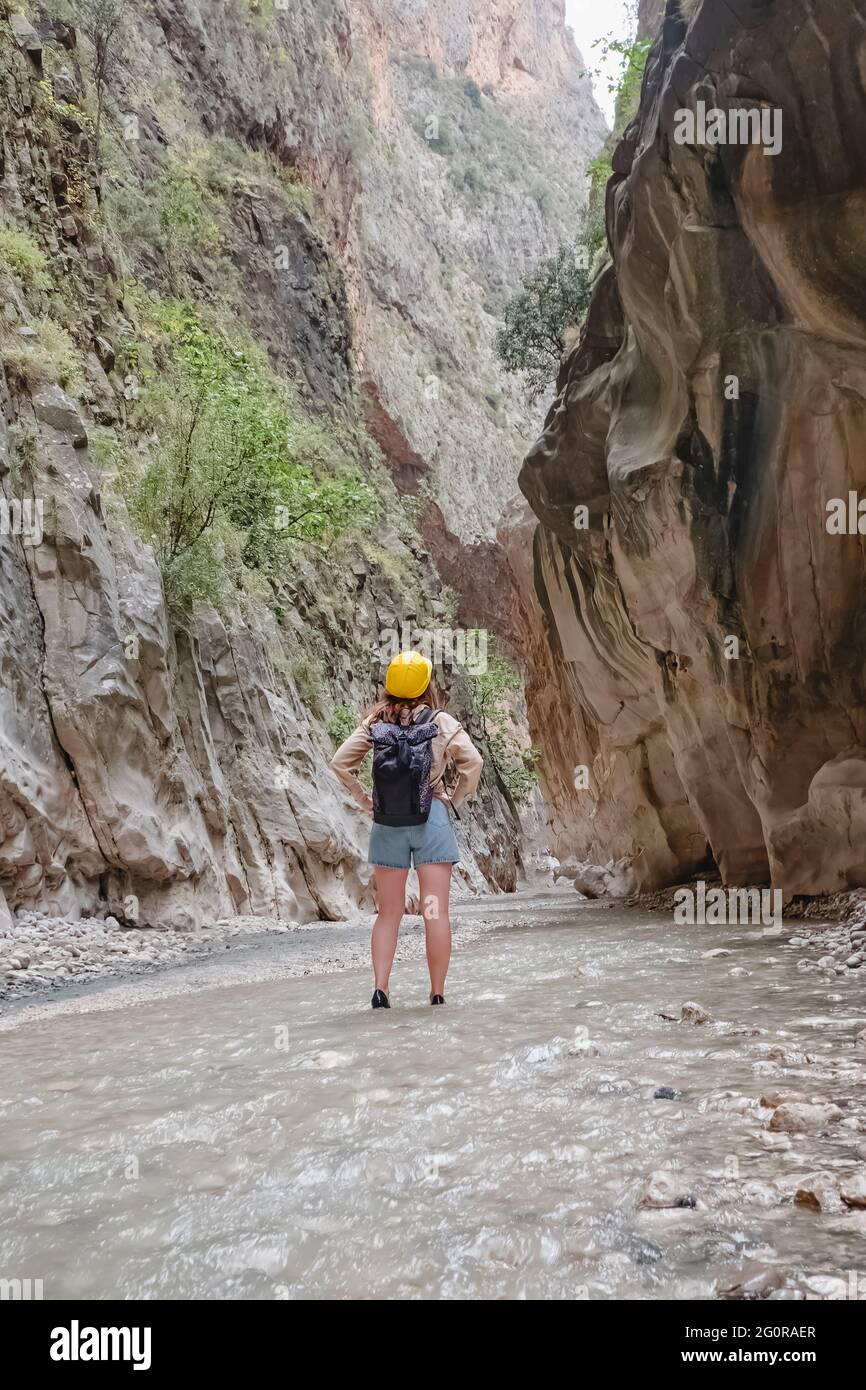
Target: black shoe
point(437, 998)
point(380, 999)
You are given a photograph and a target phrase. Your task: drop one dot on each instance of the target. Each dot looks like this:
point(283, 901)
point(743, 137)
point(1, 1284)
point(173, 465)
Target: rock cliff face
point(649, 17)
point(176, 774)
point(706, 632)
point(481, 127)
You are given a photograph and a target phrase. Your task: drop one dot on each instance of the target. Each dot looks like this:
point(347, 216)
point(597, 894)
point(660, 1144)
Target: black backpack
point(402, 759)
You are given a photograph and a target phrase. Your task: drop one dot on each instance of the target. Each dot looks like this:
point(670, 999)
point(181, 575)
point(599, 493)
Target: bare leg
point(391, 904)
point(435, 884)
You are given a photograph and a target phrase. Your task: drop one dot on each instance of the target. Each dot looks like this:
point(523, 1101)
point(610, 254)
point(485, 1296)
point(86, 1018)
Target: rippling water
point(284, 1141)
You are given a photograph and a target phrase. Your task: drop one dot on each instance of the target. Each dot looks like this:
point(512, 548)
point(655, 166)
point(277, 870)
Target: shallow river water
point(281, 1140)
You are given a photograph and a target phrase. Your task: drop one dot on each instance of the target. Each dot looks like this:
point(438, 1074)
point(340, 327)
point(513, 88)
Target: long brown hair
point(389, 710)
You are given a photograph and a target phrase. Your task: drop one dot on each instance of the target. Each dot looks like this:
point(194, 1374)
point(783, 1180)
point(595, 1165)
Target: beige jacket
point(451, 743)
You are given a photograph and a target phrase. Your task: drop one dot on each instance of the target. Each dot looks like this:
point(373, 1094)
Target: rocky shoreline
point(47, 960)
point(834, 921)
point(41, 956)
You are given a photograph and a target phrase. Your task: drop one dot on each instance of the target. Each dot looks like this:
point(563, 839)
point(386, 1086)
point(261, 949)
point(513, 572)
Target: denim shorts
point(405, 846)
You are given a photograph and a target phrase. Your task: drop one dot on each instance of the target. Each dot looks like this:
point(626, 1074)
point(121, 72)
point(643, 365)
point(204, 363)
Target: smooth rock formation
point(708, 632)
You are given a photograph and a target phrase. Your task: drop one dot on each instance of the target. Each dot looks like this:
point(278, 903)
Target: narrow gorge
point(525, 340)
point(688, 632)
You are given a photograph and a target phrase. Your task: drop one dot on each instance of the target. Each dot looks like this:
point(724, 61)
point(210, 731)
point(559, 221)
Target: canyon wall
point(482, 124)
point(702, 629)
point(176, 771)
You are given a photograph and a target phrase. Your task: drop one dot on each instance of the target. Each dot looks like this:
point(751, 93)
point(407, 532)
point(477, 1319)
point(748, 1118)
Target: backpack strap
point(445, 755)
point(448, 742)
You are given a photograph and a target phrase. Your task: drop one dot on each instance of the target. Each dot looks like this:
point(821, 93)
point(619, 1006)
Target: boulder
point(796, 1117)
point(819, 1193)
point(182, 919)
point(53, 407)
point(65, 86)
point(616, 879)
point(771, 1100)
point(7, 921)
point(26, 37)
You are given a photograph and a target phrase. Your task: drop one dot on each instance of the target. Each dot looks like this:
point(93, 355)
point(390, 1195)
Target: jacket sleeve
point(468, 762)
point(348, 759)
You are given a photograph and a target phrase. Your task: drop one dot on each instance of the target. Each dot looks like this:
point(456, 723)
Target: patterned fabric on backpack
point(402, 759)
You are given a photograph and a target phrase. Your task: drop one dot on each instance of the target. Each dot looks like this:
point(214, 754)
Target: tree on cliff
point(102, 21)
point(532, 338)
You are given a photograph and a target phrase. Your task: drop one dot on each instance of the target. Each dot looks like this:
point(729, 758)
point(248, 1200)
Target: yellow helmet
point(408, 676)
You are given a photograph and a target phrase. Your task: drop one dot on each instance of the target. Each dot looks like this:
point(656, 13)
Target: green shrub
point(594, 235)
point(298, 197)
point(176, 215)
point(187, 229)
point(308, 674)
point(237, 472)
point(470, 177)
point(435, 131)
point(341, 724)
point(223, 163)
point(632, 55)
point(490, 693)
point(600, 170)
point(23, 258)
point(50, 357)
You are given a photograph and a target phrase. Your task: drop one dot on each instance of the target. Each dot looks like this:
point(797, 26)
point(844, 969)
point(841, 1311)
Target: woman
point(412, 738)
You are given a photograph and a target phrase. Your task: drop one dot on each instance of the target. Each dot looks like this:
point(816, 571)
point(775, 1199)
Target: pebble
point(771, 1100)
point(694, 1013)
point(664, 1190)
point(755, 1280)
point(774, 1142)
point(853, 1191)
point(818, 1193)
point(789, 1056)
